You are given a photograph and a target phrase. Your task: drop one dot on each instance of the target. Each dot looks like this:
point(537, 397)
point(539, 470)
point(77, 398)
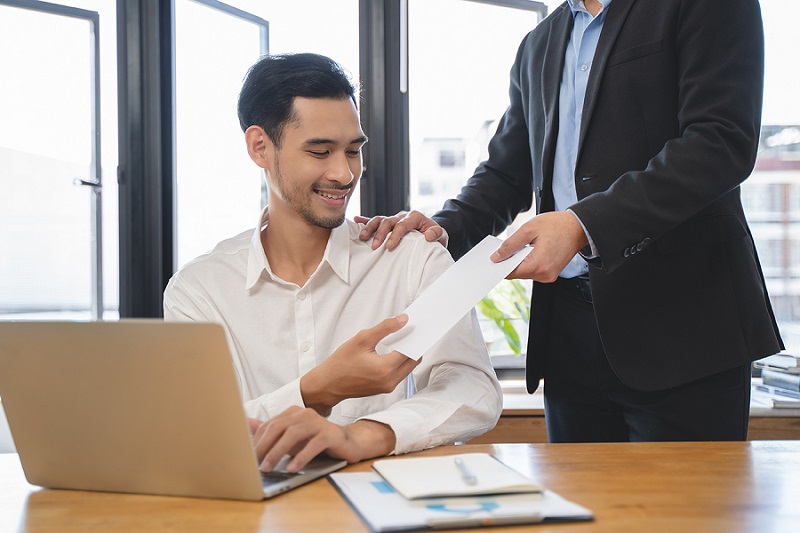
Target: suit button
point(627, 252)
point(639, 247)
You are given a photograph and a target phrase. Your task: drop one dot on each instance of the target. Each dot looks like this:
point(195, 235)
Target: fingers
point(394, 225)
point(378, 226)
point(301, 433)
point(369, 338)
point(512, 244)
point(253, 425)
point(392, 229)
point(437, 233)
point(413, 220)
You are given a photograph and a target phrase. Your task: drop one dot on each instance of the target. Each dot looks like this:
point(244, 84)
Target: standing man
point(631, 124)
point(293, 293)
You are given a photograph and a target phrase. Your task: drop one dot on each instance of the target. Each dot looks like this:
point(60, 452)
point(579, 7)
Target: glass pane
point(219, 191)
point(458, 89)
point(45, 145)
point(771, 194)
point(219, 187)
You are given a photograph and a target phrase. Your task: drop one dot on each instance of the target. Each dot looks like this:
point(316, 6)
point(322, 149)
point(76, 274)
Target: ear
point(259, 146)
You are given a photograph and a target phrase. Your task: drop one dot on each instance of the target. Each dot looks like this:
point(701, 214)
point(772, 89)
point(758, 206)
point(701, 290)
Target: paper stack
point(780, 382)
point(451, 491)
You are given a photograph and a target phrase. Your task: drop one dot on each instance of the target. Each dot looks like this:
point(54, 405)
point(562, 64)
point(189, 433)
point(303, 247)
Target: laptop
point(137, 406)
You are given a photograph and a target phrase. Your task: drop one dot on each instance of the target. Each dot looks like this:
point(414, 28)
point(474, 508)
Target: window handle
point(85, 183)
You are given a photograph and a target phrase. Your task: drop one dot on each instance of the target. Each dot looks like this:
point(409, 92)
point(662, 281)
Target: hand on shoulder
point(392, 228)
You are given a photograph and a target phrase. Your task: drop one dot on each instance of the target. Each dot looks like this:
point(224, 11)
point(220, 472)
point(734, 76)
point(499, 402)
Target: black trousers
point(586, 402)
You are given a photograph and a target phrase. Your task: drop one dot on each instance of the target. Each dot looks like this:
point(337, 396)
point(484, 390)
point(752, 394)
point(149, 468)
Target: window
point(218, 187)
point(219, 190)
point(58, 153)
point(771, 193)
point(458, 88)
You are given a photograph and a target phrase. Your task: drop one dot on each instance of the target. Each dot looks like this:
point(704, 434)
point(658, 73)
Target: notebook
point(138, 406)
point(466, 474)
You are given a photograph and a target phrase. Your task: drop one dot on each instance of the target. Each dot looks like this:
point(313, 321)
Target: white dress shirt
point(278, 331)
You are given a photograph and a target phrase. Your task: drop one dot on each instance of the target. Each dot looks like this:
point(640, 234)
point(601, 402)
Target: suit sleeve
point(501, 186)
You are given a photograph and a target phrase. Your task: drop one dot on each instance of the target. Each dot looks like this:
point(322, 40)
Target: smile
point(332, 196)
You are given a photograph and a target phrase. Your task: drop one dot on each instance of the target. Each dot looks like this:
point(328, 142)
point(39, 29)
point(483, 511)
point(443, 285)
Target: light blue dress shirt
point(577, 66)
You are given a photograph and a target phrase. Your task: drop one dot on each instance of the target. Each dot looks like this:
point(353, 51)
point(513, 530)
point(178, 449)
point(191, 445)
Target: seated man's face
point(319, 163)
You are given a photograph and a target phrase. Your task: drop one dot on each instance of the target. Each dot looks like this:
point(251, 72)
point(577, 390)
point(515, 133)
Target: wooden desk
point(706, 486)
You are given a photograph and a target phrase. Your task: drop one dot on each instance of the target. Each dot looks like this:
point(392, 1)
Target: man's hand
point(398, 225)
point(356, 370)
point(304, 434)
point(555, 237)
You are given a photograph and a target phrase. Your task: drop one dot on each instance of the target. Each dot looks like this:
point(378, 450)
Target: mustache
point(332, 186)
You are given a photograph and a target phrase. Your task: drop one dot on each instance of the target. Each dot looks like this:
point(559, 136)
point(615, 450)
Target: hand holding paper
point(450, 297)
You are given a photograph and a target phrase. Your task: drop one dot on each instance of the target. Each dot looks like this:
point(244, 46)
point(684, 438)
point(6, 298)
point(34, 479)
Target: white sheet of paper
point(449, 298)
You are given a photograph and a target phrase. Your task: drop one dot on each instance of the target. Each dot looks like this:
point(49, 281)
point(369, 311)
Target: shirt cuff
point(589, 251)
point(415, 425)
point(271, 405)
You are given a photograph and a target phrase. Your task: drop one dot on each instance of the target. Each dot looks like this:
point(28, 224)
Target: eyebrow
point(319, 140)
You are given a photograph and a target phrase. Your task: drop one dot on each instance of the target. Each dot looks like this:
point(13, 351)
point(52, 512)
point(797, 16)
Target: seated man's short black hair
point(272, 84)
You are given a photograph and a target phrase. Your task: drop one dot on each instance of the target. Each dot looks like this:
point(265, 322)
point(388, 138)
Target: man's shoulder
point(227, 251)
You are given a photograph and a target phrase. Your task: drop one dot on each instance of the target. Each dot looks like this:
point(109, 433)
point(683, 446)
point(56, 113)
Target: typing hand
point(304, 434)
point(398, 225)
point(356, 370)
point(555, 238)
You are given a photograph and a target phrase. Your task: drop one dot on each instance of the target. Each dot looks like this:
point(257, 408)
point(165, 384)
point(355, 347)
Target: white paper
point(439, 476)
point(450, 298)
point(384, 510)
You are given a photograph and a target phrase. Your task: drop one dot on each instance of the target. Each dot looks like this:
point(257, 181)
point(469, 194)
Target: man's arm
point(356, 370)
point(304, 434)
point(458, 395)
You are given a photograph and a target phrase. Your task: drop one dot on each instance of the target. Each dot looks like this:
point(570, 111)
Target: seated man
point(294, 292)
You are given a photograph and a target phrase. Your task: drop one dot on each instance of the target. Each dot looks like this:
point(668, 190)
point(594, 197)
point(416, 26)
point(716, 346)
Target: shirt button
point(301, 296)
point(584, 67)
point(304, 346)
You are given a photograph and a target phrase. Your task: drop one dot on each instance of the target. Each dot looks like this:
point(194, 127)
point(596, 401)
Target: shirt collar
point(337, 253)
point(577, 5)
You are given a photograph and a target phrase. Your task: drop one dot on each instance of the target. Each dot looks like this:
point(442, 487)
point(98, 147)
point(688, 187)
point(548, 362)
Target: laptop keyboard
point(274, 477)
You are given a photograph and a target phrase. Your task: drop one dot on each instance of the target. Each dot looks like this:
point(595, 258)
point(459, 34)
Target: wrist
point(316, 395)
point(370, 439)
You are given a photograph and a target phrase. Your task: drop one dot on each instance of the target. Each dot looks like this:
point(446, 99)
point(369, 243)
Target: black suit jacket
point(670, 129)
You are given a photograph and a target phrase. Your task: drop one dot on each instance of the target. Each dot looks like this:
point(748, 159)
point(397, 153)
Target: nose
point(343, 169)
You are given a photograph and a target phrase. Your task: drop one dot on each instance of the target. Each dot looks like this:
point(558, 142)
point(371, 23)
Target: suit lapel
point(552, 68)
point(615, 18)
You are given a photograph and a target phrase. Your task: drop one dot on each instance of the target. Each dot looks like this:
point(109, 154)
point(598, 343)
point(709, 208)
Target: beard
point(301, 202)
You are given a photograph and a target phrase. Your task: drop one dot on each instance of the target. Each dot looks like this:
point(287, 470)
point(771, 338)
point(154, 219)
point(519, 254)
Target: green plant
point(507, 302)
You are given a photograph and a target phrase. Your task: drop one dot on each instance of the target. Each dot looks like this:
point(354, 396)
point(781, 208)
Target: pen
point(466, 474)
